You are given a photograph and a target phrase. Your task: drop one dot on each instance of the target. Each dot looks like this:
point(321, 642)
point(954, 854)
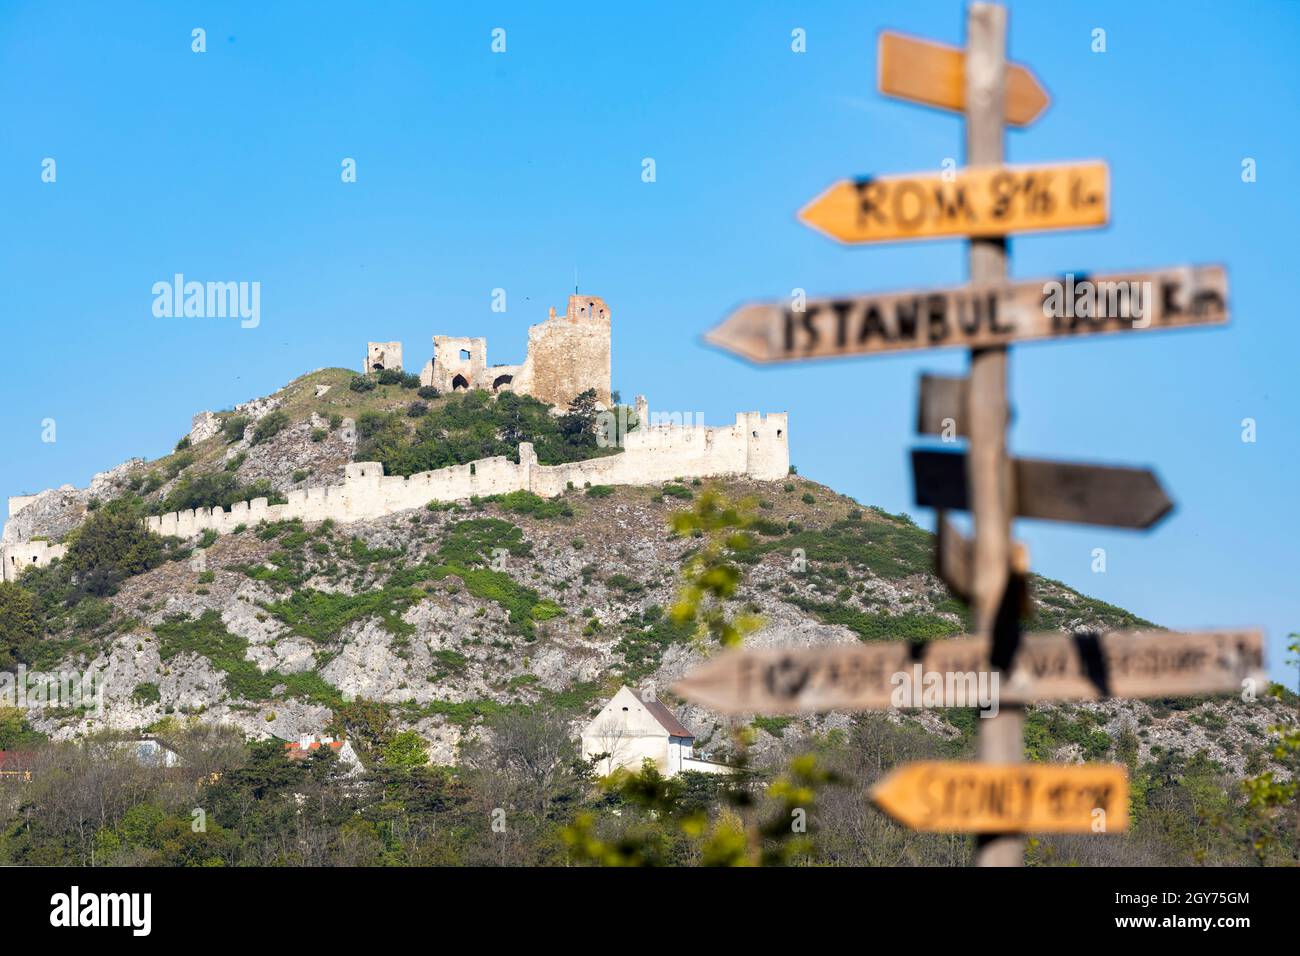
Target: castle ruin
point(567, 355)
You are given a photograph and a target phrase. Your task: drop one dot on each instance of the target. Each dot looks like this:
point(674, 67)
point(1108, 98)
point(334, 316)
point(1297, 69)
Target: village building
point(633, 728)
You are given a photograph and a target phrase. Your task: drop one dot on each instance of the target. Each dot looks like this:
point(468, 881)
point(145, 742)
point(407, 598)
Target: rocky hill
point(454, 612)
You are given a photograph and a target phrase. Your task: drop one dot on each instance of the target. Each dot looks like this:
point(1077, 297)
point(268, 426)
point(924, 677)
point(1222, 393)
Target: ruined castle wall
point(15, 558)
point(382, 355)
point(756, 446)
point(569, 354)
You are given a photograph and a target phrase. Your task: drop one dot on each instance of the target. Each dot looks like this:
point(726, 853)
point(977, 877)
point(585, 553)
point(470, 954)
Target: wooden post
point(1001, 739)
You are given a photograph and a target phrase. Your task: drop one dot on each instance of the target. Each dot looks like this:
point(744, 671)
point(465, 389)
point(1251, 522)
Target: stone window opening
point(502, 380)
point(460, 381)
point(464, 355)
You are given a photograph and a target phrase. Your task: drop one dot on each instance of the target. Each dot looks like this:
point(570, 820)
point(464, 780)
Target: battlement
point(756, 446)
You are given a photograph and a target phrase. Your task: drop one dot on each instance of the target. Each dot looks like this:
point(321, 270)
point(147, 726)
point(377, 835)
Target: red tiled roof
point(666, 718)
point(16, 759)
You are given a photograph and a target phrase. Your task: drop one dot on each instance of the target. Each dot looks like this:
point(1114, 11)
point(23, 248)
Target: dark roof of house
point(667, 719)
point(16, 759)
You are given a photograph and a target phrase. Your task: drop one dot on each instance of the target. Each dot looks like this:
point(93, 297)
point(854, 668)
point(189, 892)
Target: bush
point(318, 434)
point(428, 392)
point(178, 464)
point(233, 428)
point(417, 410)
point(183, 444)
point(20, 625)
point(599, 491)
point(362, 383)
point(528, 503)
point(112, 545)
point(472, 426)
point(270, 426)
point(213, 489)
point(808, 499)
point(299, 475)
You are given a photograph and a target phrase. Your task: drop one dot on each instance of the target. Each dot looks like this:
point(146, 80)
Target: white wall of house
point(630, 734)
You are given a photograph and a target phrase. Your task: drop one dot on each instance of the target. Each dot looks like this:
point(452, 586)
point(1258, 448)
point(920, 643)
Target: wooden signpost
point(1048, 667)
point(923, 71)
point(1000, 798)
point(972, 317)
point(991, 200)
point(1012, 798)
point(954, 562)
point(1049, 490)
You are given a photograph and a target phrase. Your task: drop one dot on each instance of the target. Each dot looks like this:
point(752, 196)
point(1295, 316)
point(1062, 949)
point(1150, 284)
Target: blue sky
point(479, 171)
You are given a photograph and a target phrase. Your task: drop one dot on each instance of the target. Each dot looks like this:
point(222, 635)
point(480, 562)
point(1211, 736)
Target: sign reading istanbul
point(1052, 666)
point(975, 201)
point(977, 317)
point(941, 797)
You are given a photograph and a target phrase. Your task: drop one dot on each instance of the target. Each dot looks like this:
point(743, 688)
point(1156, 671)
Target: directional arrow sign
point(976, 201)
point(880, 675)
point(1050, 490)
point(975, 316)
point(935, 74)
point(954, 561)
point(1006, 798)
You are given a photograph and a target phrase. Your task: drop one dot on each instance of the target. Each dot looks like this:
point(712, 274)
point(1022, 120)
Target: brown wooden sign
point(884, 675)
point(942, 407)
point(977, 317)
point(1049, 490)
point(935, 74)
point(975, 201)
point(941, 797)
point(954, 561)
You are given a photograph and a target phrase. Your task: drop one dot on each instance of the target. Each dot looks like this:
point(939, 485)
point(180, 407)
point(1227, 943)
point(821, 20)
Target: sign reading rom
point(976, 201)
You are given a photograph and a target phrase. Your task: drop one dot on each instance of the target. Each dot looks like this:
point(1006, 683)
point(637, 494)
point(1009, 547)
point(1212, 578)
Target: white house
point(633, 727)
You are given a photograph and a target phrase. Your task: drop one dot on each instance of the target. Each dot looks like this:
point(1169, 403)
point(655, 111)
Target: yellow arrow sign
point(935, 74)
point(976, 201)
point(934, 796)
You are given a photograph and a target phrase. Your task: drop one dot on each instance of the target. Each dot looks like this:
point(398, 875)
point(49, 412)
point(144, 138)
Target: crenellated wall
point(756, 446)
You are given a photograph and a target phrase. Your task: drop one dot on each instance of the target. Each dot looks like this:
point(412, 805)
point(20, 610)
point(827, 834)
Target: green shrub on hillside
point(476, 425)
point(269, 426)
point(232, 428)
point(112, 545)
point(212, 489)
